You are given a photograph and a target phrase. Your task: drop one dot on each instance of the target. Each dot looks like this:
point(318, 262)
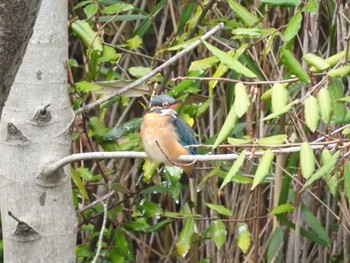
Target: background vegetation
point(271, 86)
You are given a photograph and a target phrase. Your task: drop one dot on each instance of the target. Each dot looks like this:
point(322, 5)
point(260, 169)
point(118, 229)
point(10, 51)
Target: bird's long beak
point(174, 104)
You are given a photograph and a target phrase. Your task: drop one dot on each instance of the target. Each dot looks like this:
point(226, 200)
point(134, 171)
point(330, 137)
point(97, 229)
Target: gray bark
point(17, 18)
point(32, 135)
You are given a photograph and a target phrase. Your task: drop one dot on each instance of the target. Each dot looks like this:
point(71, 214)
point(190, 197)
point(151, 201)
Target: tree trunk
point(38, 218)
point(16, 26)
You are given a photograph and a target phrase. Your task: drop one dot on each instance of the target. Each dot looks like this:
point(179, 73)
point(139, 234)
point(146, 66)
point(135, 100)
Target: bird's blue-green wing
point(185, 133)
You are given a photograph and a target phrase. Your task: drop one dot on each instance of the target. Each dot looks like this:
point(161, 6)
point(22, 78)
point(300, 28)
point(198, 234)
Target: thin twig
point(182, 158)
point(153, 72)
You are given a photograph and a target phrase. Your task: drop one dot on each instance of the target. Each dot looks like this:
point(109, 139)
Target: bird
point(164, 134)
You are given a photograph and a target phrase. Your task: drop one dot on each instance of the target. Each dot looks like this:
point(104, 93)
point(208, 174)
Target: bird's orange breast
point(156, 128)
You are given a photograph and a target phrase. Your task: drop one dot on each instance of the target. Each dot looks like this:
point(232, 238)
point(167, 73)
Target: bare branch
point(153, 72)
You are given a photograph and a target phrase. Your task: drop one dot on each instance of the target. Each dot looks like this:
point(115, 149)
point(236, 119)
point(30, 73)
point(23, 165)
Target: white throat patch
point(170, 112)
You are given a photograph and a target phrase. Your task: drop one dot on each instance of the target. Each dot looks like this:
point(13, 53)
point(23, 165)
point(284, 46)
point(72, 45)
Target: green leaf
point(229, 124)
point(236, 141)
point(219, 209)
point(135, 42)
point(79, 183)
point(243, 14)
point(274, 251)
point(183, 243)
point(247, 32)
point(312, 113)
point(234, 169)
point(85, 173)
point(85, 86)
point(340, 72)
point(279, 97)
point(231, 62)
point(203, 64)
point(117, 8)
point(185, 15)
point(148, 168)
point(109, 54)
point(307, 160)
point(325, 169)
point(311, 6)
point(87, 35)
point(98, 128)
point(284, 3)
point(221, 69)
point(336, 92)
point(148, 208)
point(282, 209)
point(122, 130)
point(317, 62)
point(242, 101)
point(293, 65)
point(293, 27)
point(325, 104)
point(282, 111)
point(90, 10)
point(347, 179)
point(263, 168)
point(243, 237)
point(218, 233)
point(272, 140)
point(315, 224)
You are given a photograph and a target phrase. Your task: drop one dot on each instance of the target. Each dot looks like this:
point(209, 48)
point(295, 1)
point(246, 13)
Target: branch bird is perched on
point(164, 134)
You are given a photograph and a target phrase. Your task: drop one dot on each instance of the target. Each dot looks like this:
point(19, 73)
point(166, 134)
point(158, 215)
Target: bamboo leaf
point(340, 72)
point(307, 160)
point(243, 14)
point(263, 168)
point(231, 62)
point(317, 62)
point(234, 169)
point(274, 251)
point(280, 97)
point(325, 169)
point(284, 3)
point(325, 105)
point(336, 92)
point(229, 124)
point(293, 27)
point(183, 243)
point(218, 233)
point(293, 65)
point(242, 101)
point(282, 209)
point(315, 224)
point(87, 35)
point(220, 209)
point(347, 179)
point(243, 237)
point(282, 111)
point(272, 140)
point(79, 183)
point(312, 113)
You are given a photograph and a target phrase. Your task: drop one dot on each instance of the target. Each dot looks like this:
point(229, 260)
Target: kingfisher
point(164, 134)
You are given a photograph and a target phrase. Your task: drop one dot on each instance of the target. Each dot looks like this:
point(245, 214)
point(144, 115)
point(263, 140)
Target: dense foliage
point(270, 88)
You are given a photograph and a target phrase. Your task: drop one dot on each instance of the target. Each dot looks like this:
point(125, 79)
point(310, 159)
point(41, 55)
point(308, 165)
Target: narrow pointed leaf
point(284, 110)
point(242, 101)
point(336, 92)
point(293, 65)
point(79, 183)
point(87, 35)
point(263, 169)
point(227, 128)
point(231, 62)
point(340, 72)
point(293, 27)
point(315, 224)
point(307, 160)
point(325, 105)
point(272, 140)
point(243, 237)
point(312, 113)
point(317, 62)
point(280, 97)
point(243, 14)
point(220, 209)
point(347, 179)
point(284, 3)
point(282, 209)
point(274, 251)
point(234, 169)
point(183, 243)
point(325, 169)
point(218, 233)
